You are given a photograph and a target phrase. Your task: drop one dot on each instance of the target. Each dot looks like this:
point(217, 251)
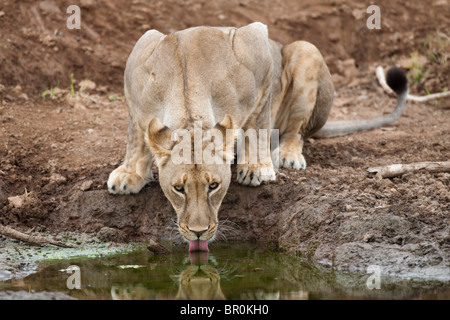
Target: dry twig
point(35, 240)
point(395, 170)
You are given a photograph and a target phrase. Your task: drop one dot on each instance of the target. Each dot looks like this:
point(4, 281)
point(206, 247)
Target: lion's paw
point(292, 160)
point(123, 182)
point(253, 175)
point(290, 157)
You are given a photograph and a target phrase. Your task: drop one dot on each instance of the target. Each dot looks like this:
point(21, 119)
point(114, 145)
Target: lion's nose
point(198, 232)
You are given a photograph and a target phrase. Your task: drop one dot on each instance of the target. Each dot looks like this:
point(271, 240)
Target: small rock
point(86, 185)
point(334, 36)
point(398, 240)
point(102, 89)
point(17, 89)
point(57, 178)
point(87, 85)
point(26, 199)
point(17, 201)
point(157, 248)
point(368, 237)
point(23, 96)
point(48, 40)
point(281, 174)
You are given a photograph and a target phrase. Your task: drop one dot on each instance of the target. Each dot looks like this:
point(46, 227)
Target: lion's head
point(194, 187)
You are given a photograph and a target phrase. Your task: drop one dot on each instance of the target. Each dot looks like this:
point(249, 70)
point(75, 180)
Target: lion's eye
point(179, 188)
point(213, 186)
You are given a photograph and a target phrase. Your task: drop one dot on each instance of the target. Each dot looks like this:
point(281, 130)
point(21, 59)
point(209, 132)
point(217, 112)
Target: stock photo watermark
point(74, 280)
point(74, 20)
point(212, 146)
point(374, 280)
point(374, 21)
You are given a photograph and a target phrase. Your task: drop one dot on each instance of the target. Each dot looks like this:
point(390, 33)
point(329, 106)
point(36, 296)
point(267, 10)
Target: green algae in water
point(233, 271)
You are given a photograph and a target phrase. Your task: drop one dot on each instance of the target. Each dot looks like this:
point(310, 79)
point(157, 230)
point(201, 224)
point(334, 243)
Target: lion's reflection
point(200, 280)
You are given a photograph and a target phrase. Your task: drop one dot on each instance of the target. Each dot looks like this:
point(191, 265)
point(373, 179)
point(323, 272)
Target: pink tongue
point(198, 245)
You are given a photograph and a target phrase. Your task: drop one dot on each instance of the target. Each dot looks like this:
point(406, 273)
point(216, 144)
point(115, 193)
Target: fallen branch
point(395, 170)
point(34, 240)
point(382, 80)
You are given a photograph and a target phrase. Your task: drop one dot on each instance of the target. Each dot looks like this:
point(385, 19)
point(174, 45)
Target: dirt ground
point(61, 136)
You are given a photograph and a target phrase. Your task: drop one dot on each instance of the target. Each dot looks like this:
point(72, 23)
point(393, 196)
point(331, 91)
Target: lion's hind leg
point(136, 171)
point(302, 76)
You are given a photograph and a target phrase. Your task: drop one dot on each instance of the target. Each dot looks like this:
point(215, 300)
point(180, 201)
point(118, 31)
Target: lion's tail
point(397, 81)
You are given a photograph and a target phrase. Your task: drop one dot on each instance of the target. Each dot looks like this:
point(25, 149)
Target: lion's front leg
point(291, 153)
point(136, 171)
point(292, 156)
point(254, 163)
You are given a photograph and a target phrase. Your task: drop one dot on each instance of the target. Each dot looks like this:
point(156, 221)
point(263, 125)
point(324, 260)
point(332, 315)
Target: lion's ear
point(159, 138)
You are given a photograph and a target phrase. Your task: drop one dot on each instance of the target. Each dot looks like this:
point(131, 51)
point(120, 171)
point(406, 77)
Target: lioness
point(227, 79)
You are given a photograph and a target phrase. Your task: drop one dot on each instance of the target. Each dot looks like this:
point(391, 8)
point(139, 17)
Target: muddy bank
point(18, 259)
point(341, 230)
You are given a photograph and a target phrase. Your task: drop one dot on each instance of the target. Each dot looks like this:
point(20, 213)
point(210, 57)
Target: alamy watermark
point(74, 20)
point(213, 146)
point(74, 281)
point(374, 21)
point(374, 280)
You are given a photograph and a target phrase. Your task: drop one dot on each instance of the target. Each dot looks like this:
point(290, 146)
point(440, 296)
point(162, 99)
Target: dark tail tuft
point(397, 80)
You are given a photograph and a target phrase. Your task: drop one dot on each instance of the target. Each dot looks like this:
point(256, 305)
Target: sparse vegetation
point(416, 68)
point(437, 47)
point(115, 97)
point(50, 92)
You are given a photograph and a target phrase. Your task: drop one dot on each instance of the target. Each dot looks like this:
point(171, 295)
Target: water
point(233, 271)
